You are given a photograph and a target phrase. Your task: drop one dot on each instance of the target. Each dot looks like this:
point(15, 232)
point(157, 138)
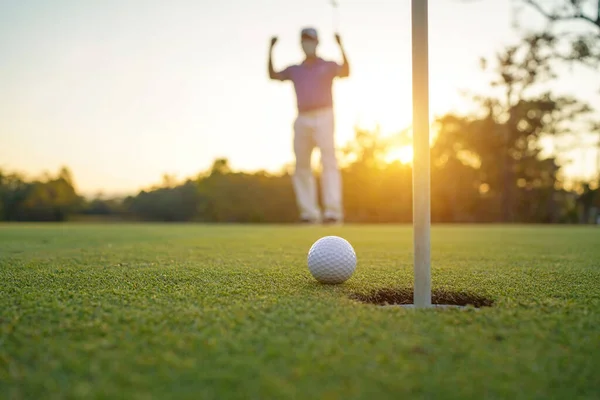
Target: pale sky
point(122, 91)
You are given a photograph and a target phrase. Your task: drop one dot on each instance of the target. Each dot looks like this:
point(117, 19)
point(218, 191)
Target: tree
point(13, 192)
point(503, 140)
point(522, 117)
point(51, 199)
point(229, 196)
point(575, 27)
point(582, 38)
point(220, 167)
point(168, 204)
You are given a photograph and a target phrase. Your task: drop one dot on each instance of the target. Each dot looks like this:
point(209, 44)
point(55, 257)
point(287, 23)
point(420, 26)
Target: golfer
point(314, 127)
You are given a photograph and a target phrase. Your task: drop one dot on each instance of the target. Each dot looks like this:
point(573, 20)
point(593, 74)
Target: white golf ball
point(332, 260)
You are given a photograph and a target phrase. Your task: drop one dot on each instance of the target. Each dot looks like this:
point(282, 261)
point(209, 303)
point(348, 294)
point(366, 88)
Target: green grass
point(231, 312)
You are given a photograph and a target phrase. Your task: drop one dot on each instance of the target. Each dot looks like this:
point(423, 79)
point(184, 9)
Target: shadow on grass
point(384, 297)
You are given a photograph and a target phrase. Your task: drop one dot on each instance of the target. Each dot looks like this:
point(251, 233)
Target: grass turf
point(227, 312)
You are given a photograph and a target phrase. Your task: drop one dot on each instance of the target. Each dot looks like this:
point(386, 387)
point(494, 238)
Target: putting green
point(215, 312)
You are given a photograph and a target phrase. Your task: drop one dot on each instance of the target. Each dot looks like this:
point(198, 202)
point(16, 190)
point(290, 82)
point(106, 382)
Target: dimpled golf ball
point(331, 260)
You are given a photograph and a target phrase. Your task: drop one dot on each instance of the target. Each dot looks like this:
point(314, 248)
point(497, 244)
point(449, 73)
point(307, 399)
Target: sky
point(124, 91)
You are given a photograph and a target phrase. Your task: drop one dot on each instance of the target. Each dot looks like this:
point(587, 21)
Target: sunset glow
point(178, 85)
point(402, 154)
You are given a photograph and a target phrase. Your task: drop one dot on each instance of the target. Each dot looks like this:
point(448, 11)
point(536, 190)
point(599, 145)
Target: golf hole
point(404, 297)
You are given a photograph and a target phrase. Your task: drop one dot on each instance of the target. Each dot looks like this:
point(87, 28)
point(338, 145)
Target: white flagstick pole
point(421, 156)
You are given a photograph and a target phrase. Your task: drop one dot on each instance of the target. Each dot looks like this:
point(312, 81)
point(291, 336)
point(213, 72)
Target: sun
point(402, 154)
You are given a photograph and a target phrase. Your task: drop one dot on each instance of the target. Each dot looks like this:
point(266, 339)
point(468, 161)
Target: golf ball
point(332, 260)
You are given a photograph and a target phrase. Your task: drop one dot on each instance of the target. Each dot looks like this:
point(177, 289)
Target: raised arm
point(279, 76)
point(345, 69)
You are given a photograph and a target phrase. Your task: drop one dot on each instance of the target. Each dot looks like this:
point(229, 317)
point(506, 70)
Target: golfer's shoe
point(309, 221)
point(332, 221)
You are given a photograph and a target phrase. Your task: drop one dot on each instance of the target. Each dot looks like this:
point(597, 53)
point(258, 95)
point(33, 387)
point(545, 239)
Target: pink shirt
point(313, 83)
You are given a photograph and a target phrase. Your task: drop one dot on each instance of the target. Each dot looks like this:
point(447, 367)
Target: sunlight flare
point(402, 154)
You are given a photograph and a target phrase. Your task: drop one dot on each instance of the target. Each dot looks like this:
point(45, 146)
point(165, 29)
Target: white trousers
point(316, 129)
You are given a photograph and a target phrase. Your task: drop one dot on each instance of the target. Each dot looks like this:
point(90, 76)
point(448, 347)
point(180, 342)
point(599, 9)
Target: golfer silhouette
point(314, 127)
